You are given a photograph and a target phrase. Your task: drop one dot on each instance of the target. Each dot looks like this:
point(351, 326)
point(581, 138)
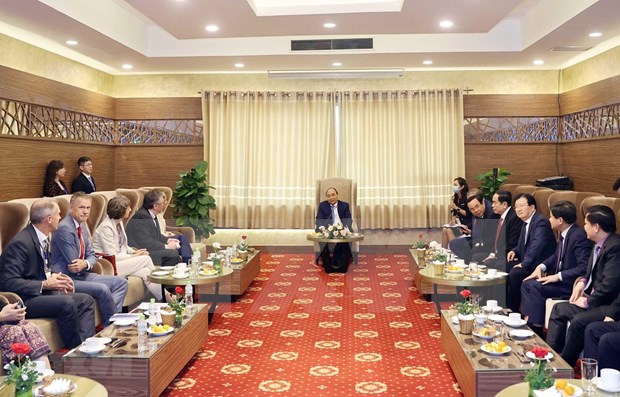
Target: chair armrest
point(109, 258)
point(187, 231)
point(11, 297)
point(103, 266)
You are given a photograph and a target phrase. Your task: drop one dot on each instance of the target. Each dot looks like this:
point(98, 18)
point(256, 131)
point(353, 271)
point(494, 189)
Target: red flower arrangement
point(23, 372)
point(539, 377)
point(177, 303)
point(465, 308)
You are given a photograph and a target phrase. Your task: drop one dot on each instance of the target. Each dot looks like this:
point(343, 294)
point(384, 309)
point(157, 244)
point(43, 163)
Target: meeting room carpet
point(298, 331)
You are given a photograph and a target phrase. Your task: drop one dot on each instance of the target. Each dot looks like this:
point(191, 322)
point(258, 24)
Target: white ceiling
point(169, 36)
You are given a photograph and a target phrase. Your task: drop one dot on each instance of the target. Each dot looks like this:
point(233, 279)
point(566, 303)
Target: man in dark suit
point(602, 338)
point(24, 270)
point(569, 261)
point(330, 212)
point(84, 182)
point(143, 231)
point(536, 243)
point(74, 256)
point(482, 234)
point(599, 287)
point(507, 231)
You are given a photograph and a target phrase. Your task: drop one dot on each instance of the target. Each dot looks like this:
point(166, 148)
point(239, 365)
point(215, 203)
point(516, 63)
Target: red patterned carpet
point(301, 332)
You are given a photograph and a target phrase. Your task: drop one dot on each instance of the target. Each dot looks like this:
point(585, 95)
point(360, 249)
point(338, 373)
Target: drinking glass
point(589, 371)
point(475, 301)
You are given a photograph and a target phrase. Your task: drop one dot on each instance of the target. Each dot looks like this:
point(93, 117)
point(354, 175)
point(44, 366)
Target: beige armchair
point(14, 218)
point(347, 191)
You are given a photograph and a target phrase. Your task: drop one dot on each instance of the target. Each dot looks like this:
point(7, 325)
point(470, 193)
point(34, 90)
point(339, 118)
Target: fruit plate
point(578, 391)
point(208, 273)
point(531, 355)
point(487, 337)
point(507, 349)
point(153, 333)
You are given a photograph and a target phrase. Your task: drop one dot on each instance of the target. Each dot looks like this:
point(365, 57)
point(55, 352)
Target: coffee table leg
point(214, 303)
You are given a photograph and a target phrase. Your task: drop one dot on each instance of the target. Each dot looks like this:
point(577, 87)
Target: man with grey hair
point(25, 270)
point(73, 254)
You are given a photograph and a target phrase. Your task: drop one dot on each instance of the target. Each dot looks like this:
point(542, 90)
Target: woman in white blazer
point(110, 239)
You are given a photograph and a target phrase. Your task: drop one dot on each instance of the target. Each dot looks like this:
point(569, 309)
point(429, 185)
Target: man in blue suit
point(73, 255)
point(602, 338)
point(481, 241)
point(569, 261)
point(332, 211)
point(536, 243)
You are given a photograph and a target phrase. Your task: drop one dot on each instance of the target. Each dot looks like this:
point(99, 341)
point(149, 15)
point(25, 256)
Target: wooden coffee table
point(425, 287)
point(242, 276)
point(483, 375)
point(124, 372)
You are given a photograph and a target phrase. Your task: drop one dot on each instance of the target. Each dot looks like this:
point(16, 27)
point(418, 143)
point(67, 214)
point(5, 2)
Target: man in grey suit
point(74, 255)
point(143, 231)
point(24, 270)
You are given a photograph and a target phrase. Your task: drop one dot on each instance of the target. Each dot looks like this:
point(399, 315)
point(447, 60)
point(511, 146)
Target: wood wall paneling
point(601, 93)
point(510, 105)
point(593, 164)
point(25, 161)
point(25, 87)
point(158, 109)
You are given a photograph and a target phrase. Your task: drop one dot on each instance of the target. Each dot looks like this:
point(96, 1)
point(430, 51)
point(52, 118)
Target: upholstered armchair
point(14, 217)
point(347, 191)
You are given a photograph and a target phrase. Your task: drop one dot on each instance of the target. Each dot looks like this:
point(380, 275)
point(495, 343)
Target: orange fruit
point(569, 390)
point(561, 384)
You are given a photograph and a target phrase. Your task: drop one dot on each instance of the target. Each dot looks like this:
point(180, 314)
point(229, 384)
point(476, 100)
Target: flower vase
point(421, 255)
point(466, 324)
point(178, 319)
point(217, 264)
point(242, 254)
point(24, 392)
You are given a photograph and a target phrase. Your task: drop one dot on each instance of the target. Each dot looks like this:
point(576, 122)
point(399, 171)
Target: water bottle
point(189, 298)
point(152, 312)
point(195, 265)
point(142, 338)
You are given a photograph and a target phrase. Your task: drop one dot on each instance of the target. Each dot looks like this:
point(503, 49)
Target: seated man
point(484, 225)
point(569, 261)
point(143, 231)
point(332, 211)
point(74, 256)
point(599, 287)
point(602, 342)
point(507, 231)
point(185, 249)
point(536, 243)
point(24, 270)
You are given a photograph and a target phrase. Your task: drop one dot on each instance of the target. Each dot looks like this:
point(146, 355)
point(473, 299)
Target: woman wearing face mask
point(460, 211)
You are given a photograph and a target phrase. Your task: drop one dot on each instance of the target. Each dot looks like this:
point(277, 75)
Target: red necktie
point(499, 228)
point(82, 248)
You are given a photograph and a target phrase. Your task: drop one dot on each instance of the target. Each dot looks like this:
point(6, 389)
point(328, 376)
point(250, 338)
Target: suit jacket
point(575, 255)
point(324, 214)
point(605, 273)
point(106, 241)
point(540, 243)
point(509, 234)
point(81, 184)
point(22, 266)
point(66, 247)
point(142, 232)
point(483, 230)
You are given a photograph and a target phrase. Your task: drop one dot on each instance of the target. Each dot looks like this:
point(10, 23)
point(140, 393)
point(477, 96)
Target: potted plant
point(242, 249)
point(439, 262)
point(192, 201)
point(539, 377)
point(490, 181)
point(465, 311)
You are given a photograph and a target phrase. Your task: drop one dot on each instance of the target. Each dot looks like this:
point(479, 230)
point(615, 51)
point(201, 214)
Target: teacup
point(182, 265)
point(480, 318)
point(492, 272)
point(610, 379)
point(207, 265)
point(460, 262)
point(179, 271)
point(514, 318)
point(92, 343)
point(40, 366)
point(491, 303)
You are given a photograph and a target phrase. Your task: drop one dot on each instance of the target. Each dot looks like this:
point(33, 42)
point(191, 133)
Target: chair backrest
point(347, 191)
point(135, 199)
point(575, 198)
point(509, 187)
point(542, 200)
point(165, 190)
point(97, 212)
point(527, 189)
point(64, 203)
point(611, 202)
point(13, 218)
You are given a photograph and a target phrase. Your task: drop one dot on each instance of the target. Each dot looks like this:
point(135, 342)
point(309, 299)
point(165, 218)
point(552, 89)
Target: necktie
point(46, 255)
point(527, 231)
point(333, 213)
point(558, 263)
point(597, 249)
point(497, 232)
point(92, 182)
point(156, 222)
point(121, 235)
point(82, 247)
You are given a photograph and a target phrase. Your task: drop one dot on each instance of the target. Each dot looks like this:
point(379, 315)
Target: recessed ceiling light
point(212, 28)
point(239, 65)
point(595, 34)
point(337, 64)
point(127, 66)
point(428, 62)
point(71, 42)
point(446, 24)
point(538, 62)
point(329, 25)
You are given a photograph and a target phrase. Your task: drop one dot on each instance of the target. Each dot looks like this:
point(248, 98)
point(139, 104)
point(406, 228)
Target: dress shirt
point(335, 216)
point(561, 240)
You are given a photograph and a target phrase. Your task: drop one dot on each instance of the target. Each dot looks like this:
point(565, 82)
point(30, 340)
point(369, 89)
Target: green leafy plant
point(22, 371)
point(539, 377)
point(420, 244)
point(440, 257)
point(192, 201)
point(489, 185)
point(466, 307)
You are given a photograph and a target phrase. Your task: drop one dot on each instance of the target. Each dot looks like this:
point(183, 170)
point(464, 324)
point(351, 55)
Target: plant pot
point(438, 268)
point(25, 392)
point(167, 318)
point(466, 324)
point(178, 319)
point(421, 254)
point(242, 254)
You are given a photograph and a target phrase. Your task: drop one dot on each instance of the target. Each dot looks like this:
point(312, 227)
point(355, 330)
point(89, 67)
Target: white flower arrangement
point(217, 246)
point(337, 230)
point(434, 245)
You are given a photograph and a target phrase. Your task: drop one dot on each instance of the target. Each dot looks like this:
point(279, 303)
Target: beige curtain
point(265, 151)
point(403, 148)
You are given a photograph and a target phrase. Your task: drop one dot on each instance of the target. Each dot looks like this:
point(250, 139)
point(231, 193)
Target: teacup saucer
point(98, 349)
point(605, 388)
point(184, 275)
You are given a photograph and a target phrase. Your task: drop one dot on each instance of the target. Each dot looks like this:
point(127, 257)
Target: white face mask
point(455, 189)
